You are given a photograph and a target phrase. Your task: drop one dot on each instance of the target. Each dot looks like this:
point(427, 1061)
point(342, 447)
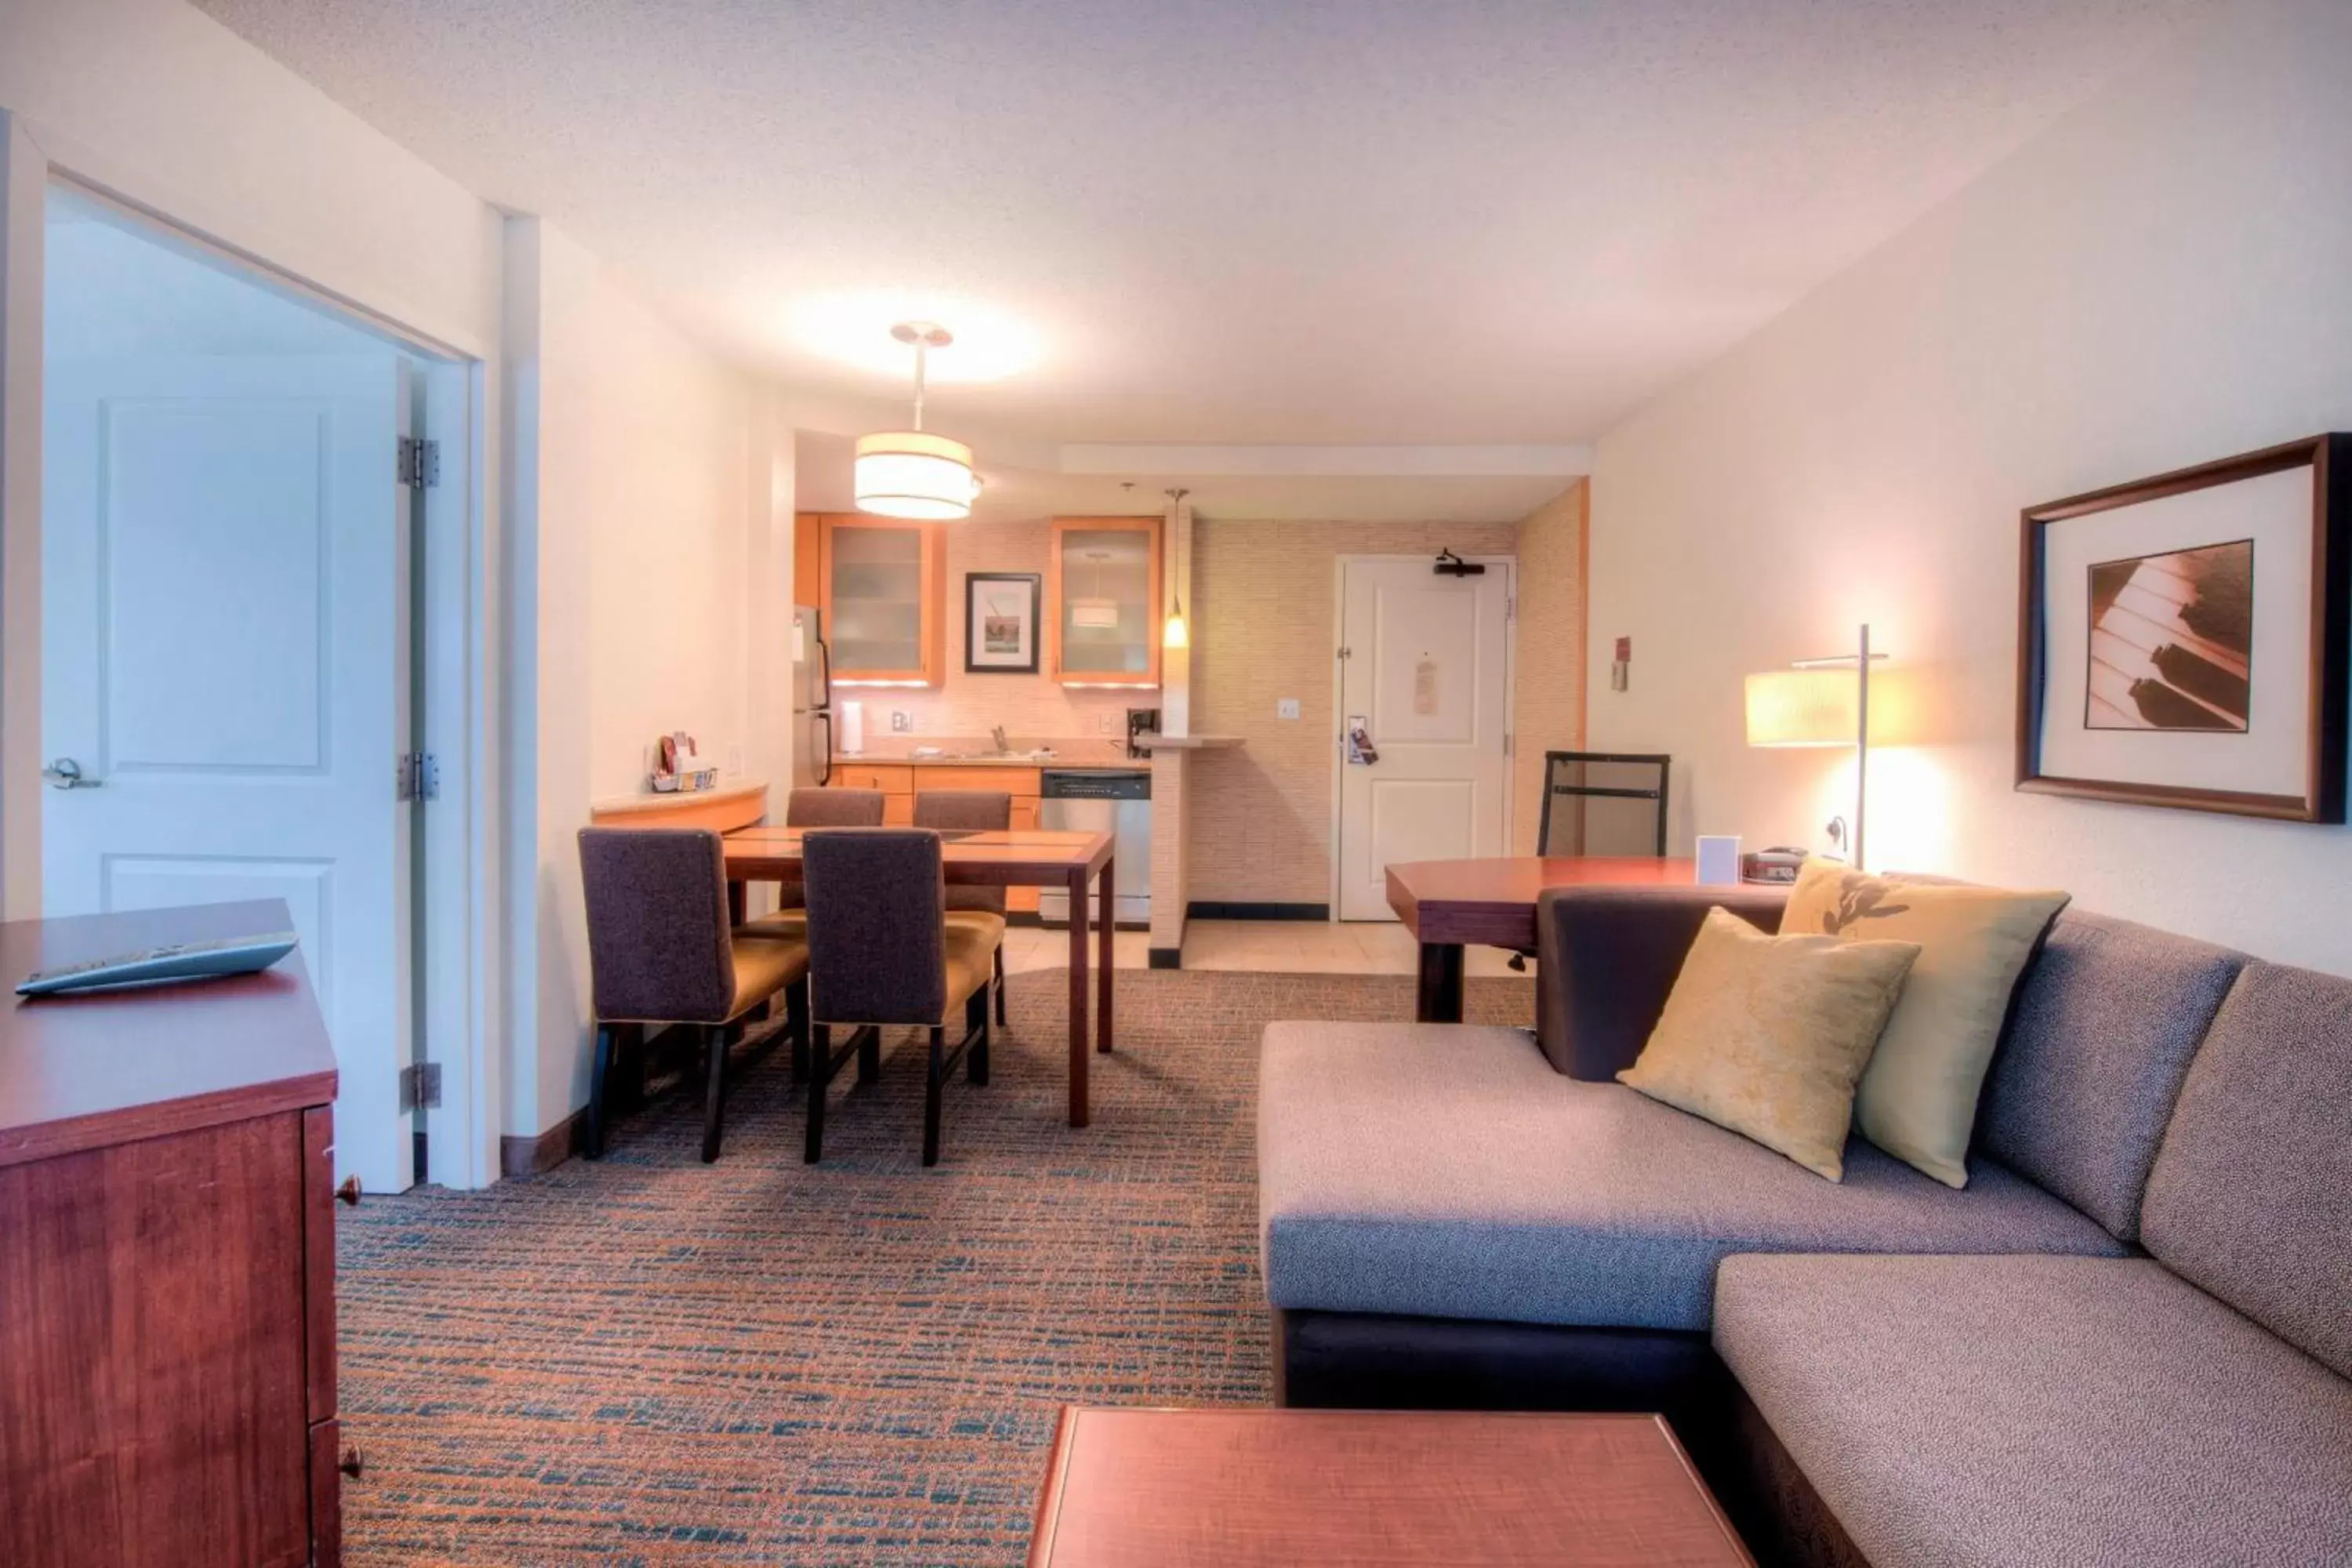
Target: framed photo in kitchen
point(2184, 640)
point(1000, 622)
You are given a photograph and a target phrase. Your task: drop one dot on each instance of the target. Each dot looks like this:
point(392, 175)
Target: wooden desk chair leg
point(931, 1092)
point(820, 1074)
point(593, 1143)
point(975, 1064)
point(796, 1025)
point(714, 1107)
point(1000, 983)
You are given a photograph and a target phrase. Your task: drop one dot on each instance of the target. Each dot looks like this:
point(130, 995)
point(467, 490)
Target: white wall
point(640, 492)
point(638, 504)
point(2163, 277)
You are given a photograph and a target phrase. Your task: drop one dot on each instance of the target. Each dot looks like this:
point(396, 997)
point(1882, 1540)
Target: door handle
point(66, 774)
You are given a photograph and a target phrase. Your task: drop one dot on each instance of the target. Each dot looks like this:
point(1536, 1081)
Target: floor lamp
point(1821, 702)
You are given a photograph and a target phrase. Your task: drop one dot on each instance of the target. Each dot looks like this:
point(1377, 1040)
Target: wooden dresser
point(167, 1259)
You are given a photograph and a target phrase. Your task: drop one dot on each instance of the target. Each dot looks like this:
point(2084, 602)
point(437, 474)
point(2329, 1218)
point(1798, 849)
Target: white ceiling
point(1222, 221)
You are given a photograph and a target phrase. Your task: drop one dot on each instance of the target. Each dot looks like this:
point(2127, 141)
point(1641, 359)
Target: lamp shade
point(1803, 708)
point(912, 474)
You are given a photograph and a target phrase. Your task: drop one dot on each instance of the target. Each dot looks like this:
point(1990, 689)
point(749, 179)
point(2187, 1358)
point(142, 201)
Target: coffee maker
point(1141, 721)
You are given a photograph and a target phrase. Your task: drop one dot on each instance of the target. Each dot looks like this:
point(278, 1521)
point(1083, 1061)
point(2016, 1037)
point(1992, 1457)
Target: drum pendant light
point(911, 473)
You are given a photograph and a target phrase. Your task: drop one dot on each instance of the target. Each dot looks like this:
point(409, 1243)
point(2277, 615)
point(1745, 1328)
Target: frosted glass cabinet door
point(1106, 592)
point(883, 600)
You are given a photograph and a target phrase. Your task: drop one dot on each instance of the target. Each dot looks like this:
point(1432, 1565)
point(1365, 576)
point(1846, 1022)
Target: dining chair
point(883, 954)
point(661, 950)
point(981, 810)
point(808, 807)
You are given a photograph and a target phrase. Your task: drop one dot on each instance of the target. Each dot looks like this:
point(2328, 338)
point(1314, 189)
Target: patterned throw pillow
point(1917, 1101)
point(1767, 1035)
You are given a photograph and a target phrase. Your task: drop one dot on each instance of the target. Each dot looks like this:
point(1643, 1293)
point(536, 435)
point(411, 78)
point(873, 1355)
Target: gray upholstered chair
point(882, 953)
point(984, 811)
point(822, 808)
point(660, 951)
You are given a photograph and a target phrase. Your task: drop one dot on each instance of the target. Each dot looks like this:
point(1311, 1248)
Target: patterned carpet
point(650, 1360)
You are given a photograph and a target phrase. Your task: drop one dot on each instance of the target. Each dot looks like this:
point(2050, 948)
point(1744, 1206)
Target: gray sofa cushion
point(2104, 1022)
point(1447, 1171)
point(2251, 1195)
point(1998, 1411)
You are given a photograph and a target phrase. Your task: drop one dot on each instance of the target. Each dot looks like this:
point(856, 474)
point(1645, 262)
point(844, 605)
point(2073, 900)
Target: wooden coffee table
point(1241, 1487)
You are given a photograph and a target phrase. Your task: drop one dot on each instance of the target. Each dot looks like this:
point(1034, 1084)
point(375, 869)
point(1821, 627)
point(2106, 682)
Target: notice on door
point(1424, 686)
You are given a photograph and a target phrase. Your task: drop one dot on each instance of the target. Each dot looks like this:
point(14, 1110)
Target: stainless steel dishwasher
point(1117, 801)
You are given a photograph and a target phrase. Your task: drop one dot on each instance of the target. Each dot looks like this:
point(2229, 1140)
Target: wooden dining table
point(1015, 858)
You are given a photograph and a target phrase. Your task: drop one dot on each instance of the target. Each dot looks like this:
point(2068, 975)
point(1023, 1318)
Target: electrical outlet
point(735, 759)
point(1286, 708)
point(1105, 722)
point(901, 721)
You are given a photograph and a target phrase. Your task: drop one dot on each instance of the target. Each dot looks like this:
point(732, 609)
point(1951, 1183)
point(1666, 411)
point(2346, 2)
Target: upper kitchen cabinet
point(1102, 596)
point(884, 597)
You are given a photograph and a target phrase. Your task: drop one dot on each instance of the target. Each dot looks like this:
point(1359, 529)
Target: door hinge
point(420, 462)
point(1347, 653)
point(420, 1086)
point(420, 776)
point(1507, 739)
point(1511, 607)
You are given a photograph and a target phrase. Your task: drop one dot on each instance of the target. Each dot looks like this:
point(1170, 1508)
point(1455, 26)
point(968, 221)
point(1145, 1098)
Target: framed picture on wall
point(1000, 622)
point(2184, 640)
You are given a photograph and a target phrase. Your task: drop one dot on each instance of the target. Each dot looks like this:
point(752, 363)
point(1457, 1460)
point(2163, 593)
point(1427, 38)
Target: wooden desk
point(1255, 1488)
point(167, 1258)
point(1021, 857)
point(1445, 903)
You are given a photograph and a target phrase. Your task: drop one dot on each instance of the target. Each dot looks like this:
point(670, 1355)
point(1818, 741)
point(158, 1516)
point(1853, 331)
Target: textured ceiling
point(1260, 221)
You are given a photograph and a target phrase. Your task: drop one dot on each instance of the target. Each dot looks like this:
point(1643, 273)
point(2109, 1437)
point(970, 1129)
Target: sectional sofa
point(2128, 1340)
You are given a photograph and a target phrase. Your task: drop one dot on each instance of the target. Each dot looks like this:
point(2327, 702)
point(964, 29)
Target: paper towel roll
point(853, 727)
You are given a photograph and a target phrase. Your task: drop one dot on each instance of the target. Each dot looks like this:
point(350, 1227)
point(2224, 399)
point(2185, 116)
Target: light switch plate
point(1286, 708)
point(1103, 724)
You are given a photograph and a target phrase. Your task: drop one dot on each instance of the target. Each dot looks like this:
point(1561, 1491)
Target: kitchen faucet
point(997, 735)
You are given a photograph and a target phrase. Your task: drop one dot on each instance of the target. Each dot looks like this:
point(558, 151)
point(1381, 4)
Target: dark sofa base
point(1361, 1361)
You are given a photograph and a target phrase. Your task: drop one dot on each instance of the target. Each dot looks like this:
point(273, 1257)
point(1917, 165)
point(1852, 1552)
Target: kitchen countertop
point(1188, 742)
point(1067, 754)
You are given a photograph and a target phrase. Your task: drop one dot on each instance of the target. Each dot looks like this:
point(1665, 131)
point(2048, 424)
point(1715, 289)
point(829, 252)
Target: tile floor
point(1288, 947)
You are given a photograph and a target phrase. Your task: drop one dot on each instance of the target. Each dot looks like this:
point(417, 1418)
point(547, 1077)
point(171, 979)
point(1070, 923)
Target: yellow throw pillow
point(1917, 1100)
point(1767, 1035)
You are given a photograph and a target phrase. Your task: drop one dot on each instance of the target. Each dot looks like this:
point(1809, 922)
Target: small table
point(1445, 903)
point(1018, 858)
point(1235, 1489)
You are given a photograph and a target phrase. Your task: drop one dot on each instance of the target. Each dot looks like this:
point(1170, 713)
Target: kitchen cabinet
point(1103, 589)
point(882, 589)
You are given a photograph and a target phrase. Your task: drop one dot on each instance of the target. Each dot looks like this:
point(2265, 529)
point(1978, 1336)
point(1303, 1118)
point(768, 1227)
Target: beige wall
point(1031, 708)
point(1265, 601)
point(2156, 282)
point(1549, 710)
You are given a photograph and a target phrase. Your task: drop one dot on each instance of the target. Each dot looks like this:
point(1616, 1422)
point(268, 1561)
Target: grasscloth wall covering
point(1265, 596)
point(1548, 712)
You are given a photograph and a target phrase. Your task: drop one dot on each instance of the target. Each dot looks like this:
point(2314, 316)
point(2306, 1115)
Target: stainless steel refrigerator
point(812, 700)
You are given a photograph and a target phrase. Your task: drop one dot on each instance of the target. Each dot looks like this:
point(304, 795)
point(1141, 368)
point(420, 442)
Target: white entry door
point(224, 657)
point(1427, 679)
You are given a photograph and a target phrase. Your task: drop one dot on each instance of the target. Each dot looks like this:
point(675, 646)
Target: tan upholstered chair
point(882, 953)
point(660, 951)
point(984, 811)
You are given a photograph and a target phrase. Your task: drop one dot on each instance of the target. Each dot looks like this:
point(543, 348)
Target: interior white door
point(224, 657)
point(1427, 676)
